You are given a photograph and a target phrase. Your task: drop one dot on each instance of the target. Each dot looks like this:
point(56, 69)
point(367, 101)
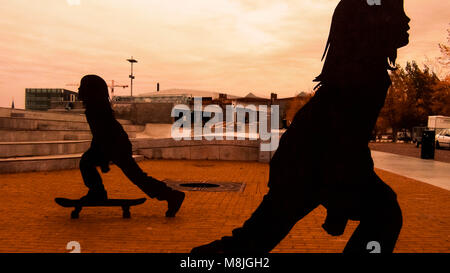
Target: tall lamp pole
point(132, 61)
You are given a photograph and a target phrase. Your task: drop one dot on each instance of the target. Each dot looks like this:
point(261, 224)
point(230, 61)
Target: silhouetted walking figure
point(110, 143)
point(323, 157)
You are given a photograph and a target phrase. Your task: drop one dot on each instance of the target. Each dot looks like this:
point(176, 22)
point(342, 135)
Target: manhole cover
point(206, 186)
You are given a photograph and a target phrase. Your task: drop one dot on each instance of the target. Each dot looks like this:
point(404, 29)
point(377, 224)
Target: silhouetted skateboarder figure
point(110, 143)
point(323, 158)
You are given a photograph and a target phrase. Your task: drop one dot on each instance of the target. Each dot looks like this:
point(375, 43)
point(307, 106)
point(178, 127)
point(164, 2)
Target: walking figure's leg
point(268, 225)
point(381, 222)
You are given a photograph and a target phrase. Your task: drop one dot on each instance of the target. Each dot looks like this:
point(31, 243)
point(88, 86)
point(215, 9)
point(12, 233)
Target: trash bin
point(428, 144)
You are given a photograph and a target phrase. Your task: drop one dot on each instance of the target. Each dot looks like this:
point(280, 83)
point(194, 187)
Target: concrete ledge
point(49, 135)
point(44, 115)
point(44, 163)
point(59, 155)
point(265, 156)
point(231, 150)
point(28, 135)
point(42, 148)
point(43, 125)
point(158, 130)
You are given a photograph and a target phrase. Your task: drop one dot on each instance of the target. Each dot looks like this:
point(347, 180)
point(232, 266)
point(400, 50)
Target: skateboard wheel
point(74, 215)
point(126, 212)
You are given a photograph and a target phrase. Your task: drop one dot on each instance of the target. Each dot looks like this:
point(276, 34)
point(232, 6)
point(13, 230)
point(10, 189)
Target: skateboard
point(78, 205)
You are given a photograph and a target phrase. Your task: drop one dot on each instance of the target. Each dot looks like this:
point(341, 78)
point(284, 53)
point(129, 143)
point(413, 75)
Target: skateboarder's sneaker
point(94, 196)
point(174, 201)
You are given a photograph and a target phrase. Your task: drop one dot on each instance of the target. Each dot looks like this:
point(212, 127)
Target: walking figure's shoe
point(174, 201)
point(215, 247)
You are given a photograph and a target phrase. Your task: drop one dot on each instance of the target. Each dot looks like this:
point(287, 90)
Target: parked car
point(385, 138)
point(443, 139)
point(404, 136)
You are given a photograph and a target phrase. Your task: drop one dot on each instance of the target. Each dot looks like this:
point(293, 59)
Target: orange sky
point(233, 46)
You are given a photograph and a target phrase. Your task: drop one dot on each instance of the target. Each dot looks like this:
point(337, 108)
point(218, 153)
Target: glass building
point(41, 98)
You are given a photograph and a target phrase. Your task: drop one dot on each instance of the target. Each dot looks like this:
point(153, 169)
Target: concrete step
point(49, 135)
point(38, 124)
point(29, 135)
point(45, 148)
point(44, 115)
point(49, 125)
point(44, 163)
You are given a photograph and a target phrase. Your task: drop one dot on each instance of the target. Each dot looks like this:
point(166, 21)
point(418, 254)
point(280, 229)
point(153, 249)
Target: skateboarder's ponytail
point(93, 90)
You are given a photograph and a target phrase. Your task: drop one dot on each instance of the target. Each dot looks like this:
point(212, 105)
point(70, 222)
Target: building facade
point(42, 98)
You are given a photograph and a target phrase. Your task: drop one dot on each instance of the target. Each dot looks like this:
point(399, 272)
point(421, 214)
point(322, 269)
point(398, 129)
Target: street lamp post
point(132, 61)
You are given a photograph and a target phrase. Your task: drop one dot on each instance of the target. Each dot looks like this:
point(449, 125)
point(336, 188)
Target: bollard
point(428, 144)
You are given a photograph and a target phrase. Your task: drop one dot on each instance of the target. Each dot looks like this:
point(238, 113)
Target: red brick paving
point(31, 222)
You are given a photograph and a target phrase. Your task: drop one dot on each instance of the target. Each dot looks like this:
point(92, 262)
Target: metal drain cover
point(206, 186)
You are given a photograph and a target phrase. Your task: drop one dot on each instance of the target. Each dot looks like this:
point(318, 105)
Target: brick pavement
point(30, 221)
